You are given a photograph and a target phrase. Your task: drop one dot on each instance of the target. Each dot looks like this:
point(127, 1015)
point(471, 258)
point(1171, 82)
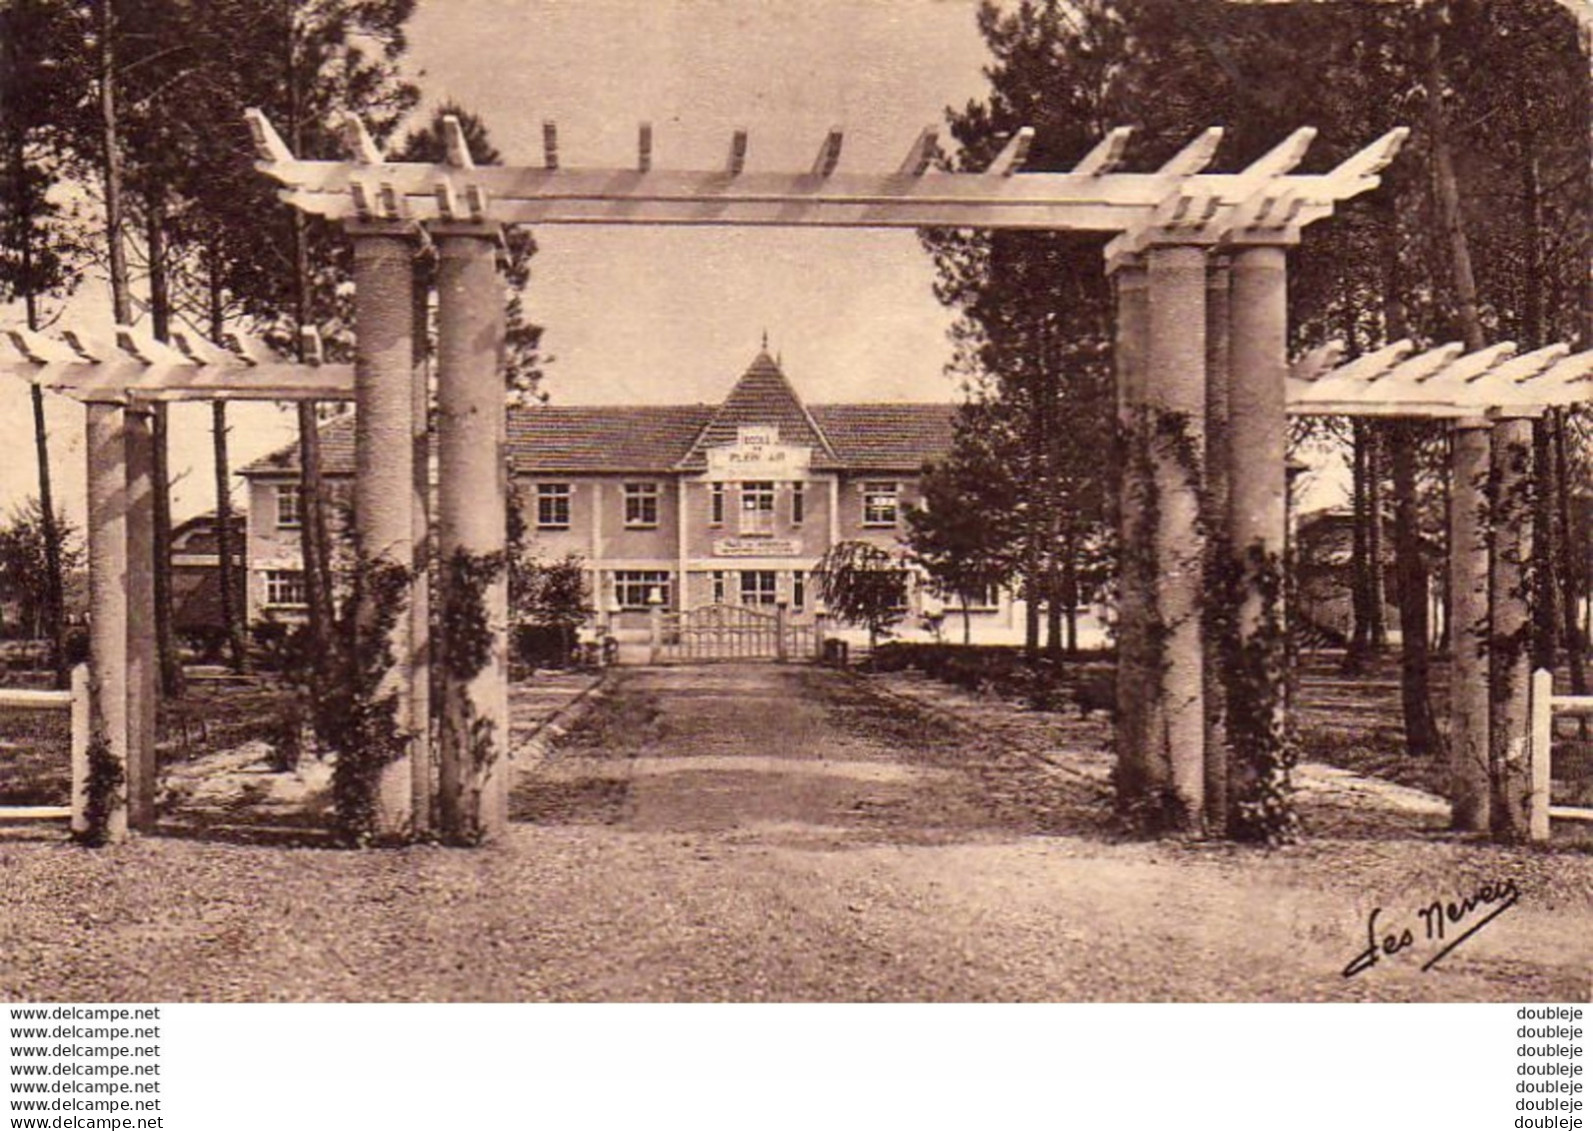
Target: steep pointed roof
point(762, 396)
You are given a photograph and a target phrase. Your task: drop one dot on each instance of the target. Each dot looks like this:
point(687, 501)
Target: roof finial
point(765, 341)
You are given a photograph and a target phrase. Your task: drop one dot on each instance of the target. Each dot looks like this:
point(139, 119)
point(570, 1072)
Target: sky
point(656, 315)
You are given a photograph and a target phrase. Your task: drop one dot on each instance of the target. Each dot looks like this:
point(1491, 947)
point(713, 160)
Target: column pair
point(1202, 367)
point(392, 489)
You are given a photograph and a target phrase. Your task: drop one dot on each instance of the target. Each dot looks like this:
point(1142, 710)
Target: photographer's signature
point(1437, 921)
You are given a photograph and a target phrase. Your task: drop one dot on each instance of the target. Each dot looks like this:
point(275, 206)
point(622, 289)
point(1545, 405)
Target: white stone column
point(384, 477)
point(472, 506)
point(1256, 483)
point(1175, 404)
point(106, 448)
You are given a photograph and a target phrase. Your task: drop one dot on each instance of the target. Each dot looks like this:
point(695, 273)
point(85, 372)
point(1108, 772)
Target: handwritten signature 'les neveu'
point(1436, 921)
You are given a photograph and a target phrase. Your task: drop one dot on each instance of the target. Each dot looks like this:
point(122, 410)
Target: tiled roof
point(337, 452)
point(597, 439)
point(762, 396)
point(886, 436)
point(660, 438)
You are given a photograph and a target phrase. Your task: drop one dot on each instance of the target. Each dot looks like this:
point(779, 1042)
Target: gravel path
point(785, 833)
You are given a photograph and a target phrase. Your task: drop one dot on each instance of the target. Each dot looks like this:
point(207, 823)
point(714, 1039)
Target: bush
point(1045, 684)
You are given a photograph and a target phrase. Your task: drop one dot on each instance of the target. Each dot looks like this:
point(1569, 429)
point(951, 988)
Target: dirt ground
point(767, 832)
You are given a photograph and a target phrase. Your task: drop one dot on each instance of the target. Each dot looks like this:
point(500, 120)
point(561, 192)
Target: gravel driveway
point(762, 832)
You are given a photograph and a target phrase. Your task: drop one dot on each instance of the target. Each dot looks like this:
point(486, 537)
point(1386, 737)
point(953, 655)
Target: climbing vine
point(101, 793)
point(1255, 682)
point(1160, 450)
point(357, 708)
point(468, 648)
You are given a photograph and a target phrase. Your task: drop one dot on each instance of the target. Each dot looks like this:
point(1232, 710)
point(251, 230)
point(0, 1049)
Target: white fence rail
point(1545, 704)
point(76, 702)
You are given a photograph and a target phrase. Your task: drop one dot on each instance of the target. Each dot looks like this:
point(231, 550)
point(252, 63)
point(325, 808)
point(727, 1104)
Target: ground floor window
point(799, 590)
point(758, 587)
point(284, 589)
point(983, 599)
point(719, 587)
point(634, 589)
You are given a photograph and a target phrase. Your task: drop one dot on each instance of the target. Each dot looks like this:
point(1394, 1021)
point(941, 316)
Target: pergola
point(1200, 264)
point(1488, 398)
point(118, 380)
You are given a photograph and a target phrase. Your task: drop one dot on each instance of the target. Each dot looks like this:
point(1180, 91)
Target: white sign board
point(757, 548)
point(758, 455)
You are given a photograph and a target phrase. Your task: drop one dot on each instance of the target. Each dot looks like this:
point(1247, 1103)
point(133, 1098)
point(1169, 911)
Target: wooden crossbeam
point(829, 153)
point(1447, 382)
point(1013, 154)
point(362, 148)
point(1196, 156)
point(550, 145)
point(455, 149)
point(1097, 197)
point(921, 154)
point(1107, 154)
point(137, 368)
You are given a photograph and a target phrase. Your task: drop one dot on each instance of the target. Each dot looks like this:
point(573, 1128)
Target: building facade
point(680, 506)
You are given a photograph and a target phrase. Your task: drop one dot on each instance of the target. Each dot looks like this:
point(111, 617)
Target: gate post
point(1469, 778)
point(1540, 751)
point(472, 452)
point(384, 471)
point(780, 650)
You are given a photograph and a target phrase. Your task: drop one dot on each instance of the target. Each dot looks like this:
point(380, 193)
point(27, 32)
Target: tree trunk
point(1376, 587)
point(1421, 731)
point(111, 169)
point(1360, 644)
point(232, 615)
point(170, 663)
point(313, 541)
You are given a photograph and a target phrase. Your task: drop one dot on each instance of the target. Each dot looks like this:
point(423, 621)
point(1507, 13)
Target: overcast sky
point(664, 315)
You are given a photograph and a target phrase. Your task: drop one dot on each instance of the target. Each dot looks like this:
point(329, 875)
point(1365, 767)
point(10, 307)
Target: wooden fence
point(1544, 705)
point(75, 701)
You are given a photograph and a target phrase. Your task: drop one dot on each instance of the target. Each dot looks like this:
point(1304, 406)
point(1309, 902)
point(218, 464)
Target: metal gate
point(730, 632)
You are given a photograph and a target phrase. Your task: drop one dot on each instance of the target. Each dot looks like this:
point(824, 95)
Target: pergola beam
point(1447, 383)
point(139, 369)
point(1095, 196)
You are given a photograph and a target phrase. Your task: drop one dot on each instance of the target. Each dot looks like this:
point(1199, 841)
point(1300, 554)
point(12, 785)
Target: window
point(290, 506)
point(982, 599)
point(798, 503)
point(719, 587)
point(553, 506)
point(880, 504)
point(757, 508)
point(758, 587)
point(641, 504)
point(716, 504)
point(799, 590)
point(285, 589)
point(634, 588)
